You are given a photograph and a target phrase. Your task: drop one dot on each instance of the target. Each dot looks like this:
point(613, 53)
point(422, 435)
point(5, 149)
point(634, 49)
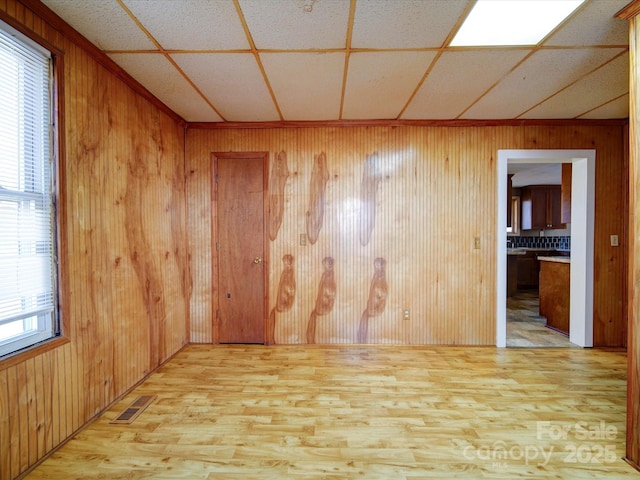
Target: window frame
point(57, 148)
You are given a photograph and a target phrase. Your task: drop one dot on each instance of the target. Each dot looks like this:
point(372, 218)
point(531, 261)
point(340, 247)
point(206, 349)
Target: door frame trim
point(581, 274)
point(215, 305)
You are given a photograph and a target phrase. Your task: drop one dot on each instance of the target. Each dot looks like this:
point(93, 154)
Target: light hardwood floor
point(382, 412)
point(525, 326)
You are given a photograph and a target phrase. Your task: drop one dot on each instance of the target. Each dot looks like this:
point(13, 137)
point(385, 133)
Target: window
point(28, 310)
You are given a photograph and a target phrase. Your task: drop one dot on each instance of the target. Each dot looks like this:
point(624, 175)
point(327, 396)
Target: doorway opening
point(582, 229)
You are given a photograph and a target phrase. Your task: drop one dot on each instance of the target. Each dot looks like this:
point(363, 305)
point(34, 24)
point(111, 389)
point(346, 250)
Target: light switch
point(614, 240)
point(303, 239)
point(476, 243)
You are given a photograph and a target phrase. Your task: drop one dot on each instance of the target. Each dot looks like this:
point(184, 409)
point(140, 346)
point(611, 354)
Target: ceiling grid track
point(446, 42)
point(363, 61)
point(256, 55)
point(162, 51)
point(574, 82)
point(347, 54)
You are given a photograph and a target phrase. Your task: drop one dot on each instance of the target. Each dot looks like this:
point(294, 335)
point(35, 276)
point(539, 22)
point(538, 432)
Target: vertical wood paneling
point(435, 196)
point(5, 427)
point(124, 262)
point(633, 347)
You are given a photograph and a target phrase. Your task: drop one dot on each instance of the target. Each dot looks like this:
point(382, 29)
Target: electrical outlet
point(406, 314)
point(476, 243)
point(614, 240)
point(303, 239)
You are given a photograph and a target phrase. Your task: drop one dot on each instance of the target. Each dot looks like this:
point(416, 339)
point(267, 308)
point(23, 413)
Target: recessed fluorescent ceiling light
point(512, 22)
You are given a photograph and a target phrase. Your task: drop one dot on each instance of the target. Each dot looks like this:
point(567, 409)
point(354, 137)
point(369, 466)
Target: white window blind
point(27, 247)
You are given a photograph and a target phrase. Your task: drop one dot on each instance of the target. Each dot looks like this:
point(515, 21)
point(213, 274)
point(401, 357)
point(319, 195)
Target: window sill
point(13, 359)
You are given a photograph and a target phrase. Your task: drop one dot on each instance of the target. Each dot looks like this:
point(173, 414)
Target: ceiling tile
point(285, 25)
point(447, 91)
point(595, 24)
point(618, 108)
point(404, 24)
point(535, 174)
point(379, 84)
point(307, 86)
point(191, 24)
point(232, 82)
point(539, 77)
point(600, 87)
point(157, 74)
point(103, 23)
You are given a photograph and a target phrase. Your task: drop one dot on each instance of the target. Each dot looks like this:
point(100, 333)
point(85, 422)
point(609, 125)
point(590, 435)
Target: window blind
point(27, 267)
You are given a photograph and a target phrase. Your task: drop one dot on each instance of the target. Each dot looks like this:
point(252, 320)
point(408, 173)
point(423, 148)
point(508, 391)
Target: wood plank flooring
point(381, 412)
point(525, 326)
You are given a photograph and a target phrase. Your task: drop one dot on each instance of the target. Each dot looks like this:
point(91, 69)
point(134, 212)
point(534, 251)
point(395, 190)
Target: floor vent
point(134, 410)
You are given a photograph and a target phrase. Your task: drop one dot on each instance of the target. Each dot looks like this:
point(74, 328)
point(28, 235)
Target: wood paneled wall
point(633, 348)
point(123, 262)
point(417, 197)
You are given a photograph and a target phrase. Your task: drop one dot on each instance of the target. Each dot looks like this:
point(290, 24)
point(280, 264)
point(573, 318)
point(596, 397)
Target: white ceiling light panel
point(514, 22)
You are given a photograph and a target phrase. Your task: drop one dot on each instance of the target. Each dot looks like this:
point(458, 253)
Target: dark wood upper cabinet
point(566, 193)
point(509, 194)
point(541, 207)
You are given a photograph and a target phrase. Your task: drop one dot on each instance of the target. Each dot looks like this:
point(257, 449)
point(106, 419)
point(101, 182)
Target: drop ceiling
point(326, 60)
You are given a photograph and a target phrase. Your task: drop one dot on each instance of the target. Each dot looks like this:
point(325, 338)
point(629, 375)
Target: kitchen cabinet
point(509, 201)
point(555, 281)
point(541, 207)
point(512, 274)
point(528, 268)
point(565, 191)
point(527, 271)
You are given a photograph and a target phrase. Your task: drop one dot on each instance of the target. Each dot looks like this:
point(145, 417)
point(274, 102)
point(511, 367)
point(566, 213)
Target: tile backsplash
point(552, 243)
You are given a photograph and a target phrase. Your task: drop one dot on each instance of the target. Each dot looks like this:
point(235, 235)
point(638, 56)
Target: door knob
point(257, 260)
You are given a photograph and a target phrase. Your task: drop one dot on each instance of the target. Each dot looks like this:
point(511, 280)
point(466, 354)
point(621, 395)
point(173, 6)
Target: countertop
point(555, 259)
point(525, 250)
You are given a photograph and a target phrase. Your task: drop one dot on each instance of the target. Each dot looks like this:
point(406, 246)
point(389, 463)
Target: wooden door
point(240, 187)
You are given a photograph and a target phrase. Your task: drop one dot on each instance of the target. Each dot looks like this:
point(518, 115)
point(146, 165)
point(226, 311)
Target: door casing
point(215, 237)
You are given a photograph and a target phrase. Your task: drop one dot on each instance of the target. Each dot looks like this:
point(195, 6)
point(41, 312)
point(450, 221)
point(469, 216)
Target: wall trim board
point(630, 11)
point(406, 123)
point(50, 17)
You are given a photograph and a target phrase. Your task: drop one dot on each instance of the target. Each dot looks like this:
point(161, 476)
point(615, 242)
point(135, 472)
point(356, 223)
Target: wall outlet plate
point(614, 241)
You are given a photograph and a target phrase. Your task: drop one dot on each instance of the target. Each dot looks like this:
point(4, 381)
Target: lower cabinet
point(554, 294)
point(527, 271)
